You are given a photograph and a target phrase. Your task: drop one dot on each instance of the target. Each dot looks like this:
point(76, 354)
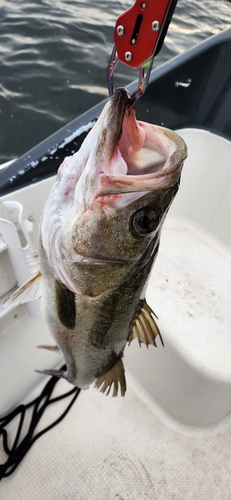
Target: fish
point(98, 240)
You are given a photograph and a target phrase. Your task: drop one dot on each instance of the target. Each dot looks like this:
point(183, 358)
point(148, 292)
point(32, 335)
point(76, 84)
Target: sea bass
point(99, 237)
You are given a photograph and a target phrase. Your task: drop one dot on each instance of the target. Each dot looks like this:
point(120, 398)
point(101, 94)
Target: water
point(53, 58)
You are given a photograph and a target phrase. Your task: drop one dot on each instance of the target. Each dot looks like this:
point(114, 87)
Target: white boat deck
point(123, 449)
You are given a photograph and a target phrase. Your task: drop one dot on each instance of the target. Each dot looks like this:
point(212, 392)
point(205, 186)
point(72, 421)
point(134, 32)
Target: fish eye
point(144, 221)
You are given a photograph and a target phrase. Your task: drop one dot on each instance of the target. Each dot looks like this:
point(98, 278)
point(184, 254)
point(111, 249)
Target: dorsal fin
point(114, 376)
point(30, 290)
point(144, 327)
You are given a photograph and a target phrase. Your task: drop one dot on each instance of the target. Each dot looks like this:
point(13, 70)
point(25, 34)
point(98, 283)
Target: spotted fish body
point(99, 237)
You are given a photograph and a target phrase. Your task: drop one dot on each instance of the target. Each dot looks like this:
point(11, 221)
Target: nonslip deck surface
point(119, 448)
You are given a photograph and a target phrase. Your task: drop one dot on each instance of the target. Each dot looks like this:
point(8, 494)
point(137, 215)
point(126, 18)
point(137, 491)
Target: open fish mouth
point(152, 155)
point(129, 156)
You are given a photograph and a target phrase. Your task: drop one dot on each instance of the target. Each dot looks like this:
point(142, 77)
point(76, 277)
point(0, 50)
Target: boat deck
point(123, 449)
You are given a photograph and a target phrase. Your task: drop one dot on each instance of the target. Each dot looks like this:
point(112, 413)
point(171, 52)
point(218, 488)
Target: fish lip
point(120, 101)
point(121, 96)
point(82, 259)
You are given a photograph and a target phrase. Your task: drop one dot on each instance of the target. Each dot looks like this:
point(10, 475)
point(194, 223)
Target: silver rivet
point(120, 30)
point(133, 41)
point(155, 25)
point(128, 56)
point(143, 5)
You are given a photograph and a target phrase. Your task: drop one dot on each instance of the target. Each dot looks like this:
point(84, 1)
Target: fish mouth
point(82, 259)
point(128, 157)
point(145, 157)
point(118, 105)
point(121, 100)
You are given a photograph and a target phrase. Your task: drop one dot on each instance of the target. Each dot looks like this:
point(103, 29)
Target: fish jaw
point(130, 156)
point(104, 156)
point(154, 160)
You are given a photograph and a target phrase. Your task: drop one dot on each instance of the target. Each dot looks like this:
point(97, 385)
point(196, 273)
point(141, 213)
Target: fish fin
point(49, 347)
point(33, 260)
point(28, 291)
point(114, 376)
point(53, 373)
point(144, 327)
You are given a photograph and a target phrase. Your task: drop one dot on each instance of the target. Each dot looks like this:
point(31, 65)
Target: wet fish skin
point(99, 237)
point(103, 324)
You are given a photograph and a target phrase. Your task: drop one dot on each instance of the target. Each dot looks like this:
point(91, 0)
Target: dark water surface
point(54, 54)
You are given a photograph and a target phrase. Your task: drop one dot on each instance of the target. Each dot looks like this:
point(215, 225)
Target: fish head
point(129, 174)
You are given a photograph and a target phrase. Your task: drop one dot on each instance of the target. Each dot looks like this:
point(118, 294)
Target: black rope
point(19, 449)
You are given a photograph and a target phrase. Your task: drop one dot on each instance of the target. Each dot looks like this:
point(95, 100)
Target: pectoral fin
point(33, 259)
point(30, 290)
point(54, 373)
point(114, 376)
point(145, 328)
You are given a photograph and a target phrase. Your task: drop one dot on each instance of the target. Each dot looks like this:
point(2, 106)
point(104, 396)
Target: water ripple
point(53, 58)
